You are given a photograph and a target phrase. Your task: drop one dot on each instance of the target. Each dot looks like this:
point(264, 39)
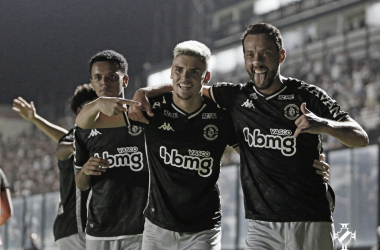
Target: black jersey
point(72, 211)
point(278, 179)
point(4, 184)
point(184, 152)
point(119, 195)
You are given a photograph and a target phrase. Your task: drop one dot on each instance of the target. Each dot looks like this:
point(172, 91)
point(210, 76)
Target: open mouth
point(184, 86)
point(259, 75)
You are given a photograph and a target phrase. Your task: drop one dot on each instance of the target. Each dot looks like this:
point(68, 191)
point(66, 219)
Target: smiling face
point(262, 62)
point(189, 73)
point(107, 80)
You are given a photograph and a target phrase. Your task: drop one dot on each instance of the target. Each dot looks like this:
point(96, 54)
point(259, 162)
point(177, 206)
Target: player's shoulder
point(161, 100)
point(297, 84)
point(222, 85)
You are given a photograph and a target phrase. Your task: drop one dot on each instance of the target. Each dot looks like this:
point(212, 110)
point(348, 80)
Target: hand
point(113, 106)
point(26, 110)
point(95, 166)
point(309, 122)
point(135, 112)
point(322, 168)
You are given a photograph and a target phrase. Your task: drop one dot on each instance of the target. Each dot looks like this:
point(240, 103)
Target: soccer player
point(6, 204)
point(111, 163)
point(185, 142)
point(70, 222)
point(279, 121)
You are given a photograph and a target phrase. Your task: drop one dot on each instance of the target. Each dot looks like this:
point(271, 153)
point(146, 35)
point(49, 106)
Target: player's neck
point(189, 105)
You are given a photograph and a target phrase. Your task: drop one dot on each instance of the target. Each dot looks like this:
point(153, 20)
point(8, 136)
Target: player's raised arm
point(349, 132)
point(104, 112)
point(141, 96)
point(28, 112)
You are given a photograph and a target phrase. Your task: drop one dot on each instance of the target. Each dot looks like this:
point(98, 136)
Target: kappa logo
point(166, 127)
point(253, 96)
point(94, 133)
point(285, 97)
point(248, 104)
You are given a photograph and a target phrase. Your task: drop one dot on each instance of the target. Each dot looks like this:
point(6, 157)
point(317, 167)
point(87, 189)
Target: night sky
point(45, 45)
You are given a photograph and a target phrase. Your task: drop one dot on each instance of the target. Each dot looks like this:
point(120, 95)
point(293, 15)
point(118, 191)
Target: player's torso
point(184, 154)
point(118, 195)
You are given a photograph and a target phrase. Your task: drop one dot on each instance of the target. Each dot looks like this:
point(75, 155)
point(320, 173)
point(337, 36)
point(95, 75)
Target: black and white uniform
point(278, 179)
point(4, 184)
point(184, 152)
point(72, 211)
point(119, 195)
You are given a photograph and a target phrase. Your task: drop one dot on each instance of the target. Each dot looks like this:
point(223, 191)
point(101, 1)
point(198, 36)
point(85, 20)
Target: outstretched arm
point(141, 96)
point(104, 112)
point(29, 113)
point(349, 132)
point(6, 206)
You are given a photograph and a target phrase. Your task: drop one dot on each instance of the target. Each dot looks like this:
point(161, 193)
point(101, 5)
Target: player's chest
point(279, 110)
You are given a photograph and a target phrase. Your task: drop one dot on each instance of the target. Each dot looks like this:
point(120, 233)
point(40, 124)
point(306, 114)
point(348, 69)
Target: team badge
point(210, 132)
point(291, 112)
point(134, 130)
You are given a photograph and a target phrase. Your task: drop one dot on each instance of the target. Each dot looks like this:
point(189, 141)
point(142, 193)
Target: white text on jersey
point(286, 144)
point(334, 108)
point(202, 165)
point(248, 104)
point(134, 160)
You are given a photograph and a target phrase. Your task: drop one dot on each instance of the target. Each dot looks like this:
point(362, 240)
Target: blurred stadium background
point(333, 44)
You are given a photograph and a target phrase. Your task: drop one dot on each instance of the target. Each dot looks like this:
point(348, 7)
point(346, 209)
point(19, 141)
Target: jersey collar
point(272, 95)
point(189, 116)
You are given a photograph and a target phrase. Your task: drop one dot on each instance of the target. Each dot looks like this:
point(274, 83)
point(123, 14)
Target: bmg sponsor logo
point(134, 160)
point(286, 144)
point(197, 160)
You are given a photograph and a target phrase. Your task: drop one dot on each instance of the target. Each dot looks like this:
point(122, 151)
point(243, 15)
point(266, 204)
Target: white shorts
point(264, 235)
point(157, 238)
point(130, 243)
point(74, 241)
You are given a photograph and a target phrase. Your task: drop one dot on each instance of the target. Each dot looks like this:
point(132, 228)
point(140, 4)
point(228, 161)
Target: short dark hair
point(111, 56)
point(264, 28)
point(82, 95)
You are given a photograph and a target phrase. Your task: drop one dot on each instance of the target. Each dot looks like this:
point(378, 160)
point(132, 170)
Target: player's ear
point(125, 81)
point(282, 56)
point(171, 73)
point(207, 77)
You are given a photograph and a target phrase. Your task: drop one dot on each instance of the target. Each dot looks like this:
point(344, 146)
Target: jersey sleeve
point(4, 181)
point(232, 138)
point(224, 93)
point(81, 154)
point(69, 137)
point(323, 104)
